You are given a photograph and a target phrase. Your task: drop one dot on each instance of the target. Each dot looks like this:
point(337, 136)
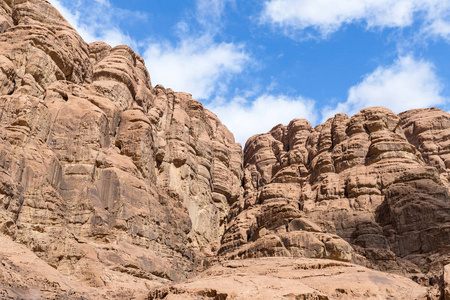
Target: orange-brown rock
point(353, 189)
point(111, 187)
point(110, 181)
point(446, 286)
point(288, 278)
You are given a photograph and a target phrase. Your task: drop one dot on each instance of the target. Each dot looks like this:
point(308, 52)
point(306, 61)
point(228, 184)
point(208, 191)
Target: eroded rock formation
point(353, 189)
point(291, 278)
point(113, 188)
point(109, 180)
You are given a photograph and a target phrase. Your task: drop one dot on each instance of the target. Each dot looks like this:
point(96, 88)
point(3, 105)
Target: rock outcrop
point(291, 278)
point(107, 179)
point(113, 188)
point(353, 189)
point(23, 275)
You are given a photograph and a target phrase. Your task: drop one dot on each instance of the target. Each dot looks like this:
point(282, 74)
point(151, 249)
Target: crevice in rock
point(21, 201)
point(50, 134)
point(13, 89)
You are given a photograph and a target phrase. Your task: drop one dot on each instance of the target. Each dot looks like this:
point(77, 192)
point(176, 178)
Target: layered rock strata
point(352, 189)
point(113, 188)
point(107, 179)
point(291, 278)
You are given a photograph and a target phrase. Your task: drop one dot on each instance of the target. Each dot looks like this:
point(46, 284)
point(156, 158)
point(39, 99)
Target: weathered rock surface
point(24, 276)
point(110, 187)
point(446, 285)
point(353, 189)
point(107, 179)
point(289, 278)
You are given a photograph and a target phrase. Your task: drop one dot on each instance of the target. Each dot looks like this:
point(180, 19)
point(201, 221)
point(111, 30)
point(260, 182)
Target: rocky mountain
point(113, 188)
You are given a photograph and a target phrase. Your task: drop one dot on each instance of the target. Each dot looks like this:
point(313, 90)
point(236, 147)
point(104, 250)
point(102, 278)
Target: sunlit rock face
point(113, 188)
point(111, 181)
point(371, 189)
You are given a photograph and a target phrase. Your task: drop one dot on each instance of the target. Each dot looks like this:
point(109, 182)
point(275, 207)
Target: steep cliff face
point(109, 180)
point(113, 188)
point(371, 189)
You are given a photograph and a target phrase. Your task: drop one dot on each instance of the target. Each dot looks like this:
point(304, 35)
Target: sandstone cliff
point(372, 189)
point(113, 188)
point(107, 179)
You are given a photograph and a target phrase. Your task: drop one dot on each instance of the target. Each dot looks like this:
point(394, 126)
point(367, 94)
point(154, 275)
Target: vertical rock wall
point(111, 181)
point(354, 189)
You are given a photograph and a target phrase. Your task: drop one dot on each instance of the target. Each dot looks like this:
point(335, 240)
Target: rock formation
point(290, 278)
point(113, 188)
point(353, 189)
point(106, 178)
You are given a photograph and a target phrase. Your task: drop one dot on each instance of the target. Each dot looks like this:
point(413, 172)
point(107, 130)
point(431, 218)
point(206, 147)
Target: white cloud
point(196, 63)
point(198, 66)
point(245, 119)
point(95, 21)
point(103, 2)
point(327, 16)
point(438, 28)
point(209, 12)
point(407, 84)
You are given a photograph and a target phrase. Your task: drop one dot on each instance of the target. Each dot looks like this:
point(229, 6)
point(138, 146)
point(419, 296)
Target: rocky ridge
point(95, 162)
point(113, 188)
point(353, 189)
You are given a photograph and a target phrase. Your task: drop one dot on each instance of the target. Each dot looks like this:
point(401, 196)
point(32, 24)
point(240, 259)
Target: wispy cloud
point(97, 20)
point(197, 63)
point(199, 66)
point(246, 118)
point(320, 18)
point(408, 83)
point(209, 13)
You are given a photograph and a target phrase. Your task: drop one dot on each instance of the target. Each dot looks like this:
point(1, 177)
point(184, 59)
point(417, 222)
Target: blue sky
point(260, 63)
